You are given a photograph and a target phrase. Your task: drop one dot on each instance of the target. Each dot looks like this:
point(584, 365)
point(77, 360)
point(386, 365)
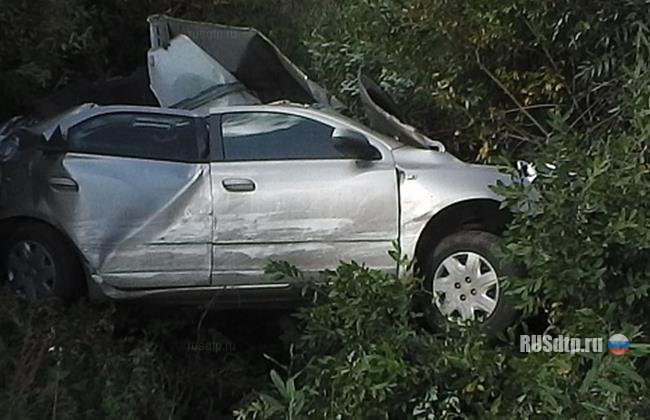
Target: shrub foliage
point(580, 230)
point(565, 84)
point(476, 74)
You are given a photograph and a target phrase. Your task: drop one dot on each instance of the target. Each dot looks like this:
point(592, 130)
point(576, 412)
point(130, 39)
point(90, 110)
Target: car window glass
point(152, 136)
point(276, 136)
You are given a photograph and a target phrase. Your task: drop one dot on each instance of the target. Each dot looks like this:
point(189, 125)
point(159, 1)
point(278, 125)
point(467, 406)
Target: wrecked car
point(242, 161)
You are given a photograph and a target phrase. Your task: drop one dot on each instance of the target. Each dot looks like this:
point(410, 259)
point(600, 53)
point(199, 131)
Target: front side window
point(276, 136)
point(149, 136)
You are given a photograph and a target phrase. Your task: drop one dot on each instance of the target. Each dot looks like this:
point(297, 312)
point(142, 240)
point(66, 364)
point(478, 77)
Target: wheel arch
point(11, 222)
point(475, 214)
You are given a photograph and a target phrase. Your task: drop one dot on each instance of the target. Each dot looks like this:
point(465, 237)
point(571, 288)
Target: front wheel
point(463, 283)
point(40, 264)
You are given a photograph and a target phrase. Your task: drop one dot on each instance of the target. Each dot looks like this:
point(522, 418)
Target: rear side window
point(148, 136)
point(276, 136)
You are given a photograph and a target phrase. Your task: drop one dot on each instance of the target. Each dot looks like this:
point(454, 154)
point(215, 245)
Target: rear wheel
point(38, 263)
point(463, 280)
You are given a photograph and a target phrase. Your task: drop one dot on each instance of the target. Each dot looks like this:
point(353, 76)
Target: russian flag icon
point(618, 344)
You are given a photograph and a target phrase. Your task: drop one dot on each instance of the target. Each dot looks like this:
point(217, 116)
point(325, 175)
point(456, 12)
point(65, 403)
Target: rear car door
point(135, 187)
point(283, 192)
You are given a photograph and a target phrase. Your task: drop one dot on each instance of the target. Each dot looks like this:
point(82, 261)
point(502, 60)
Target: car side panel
point(312, 214)
point(141, 216)
point(139, 223)
point(433, 181)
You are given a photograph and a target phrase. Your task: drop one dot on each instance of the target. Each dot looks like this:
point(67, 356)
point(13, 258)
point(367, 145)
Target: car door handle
point(238, 184)
point(63, 184)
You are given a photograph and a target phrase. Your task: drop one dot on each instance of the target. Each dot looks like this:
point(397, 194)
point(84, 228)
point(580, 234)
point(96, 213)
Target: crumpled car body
point(230, 66)
point(198, 194)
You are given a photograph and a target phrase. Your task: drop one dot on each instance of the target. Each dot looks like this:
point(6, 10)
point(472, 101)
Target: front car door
point(135, 192)
point(283, 192)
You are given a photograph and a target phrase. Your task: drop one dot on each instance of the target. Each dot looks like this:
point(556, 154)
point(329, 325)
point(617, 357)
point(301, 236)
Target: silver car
point(189, 205)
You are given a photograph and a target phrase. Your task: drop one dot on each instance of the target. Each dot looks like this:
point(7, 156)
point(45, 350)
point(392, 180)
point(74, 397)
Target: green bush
point(463, 71)
point(125, 363)
point(564, 83)
point(67, 364)
point(362, 354)
point(580, 231)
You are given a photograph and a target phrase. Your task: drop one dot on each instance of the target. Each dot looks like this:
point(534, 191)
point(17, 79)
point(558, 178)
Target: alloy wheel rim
point(465, 287)
point(30, 270)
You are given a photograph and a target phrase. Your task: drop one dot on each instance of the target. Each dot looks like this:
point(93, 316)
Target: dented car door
point(135, 193)
point(283, 192)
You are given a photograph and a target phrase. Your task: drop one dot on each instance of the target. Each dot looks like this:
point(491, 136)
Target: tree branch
point(507, 92)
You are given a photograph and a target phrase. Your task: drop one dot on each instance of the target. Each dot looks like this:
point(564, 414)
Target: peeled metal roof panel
point(173, 81)
point(246, 54)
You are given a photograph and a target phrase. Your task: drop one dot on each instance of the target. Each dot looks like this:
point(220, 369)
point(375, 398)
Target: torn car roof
point(229, 64)
point(240, 66)
point(199, 66)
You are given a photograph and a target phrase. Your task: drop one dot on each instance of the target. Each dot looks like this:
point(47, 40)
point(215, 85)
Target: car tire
point(472, 290)
point(38, 263)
